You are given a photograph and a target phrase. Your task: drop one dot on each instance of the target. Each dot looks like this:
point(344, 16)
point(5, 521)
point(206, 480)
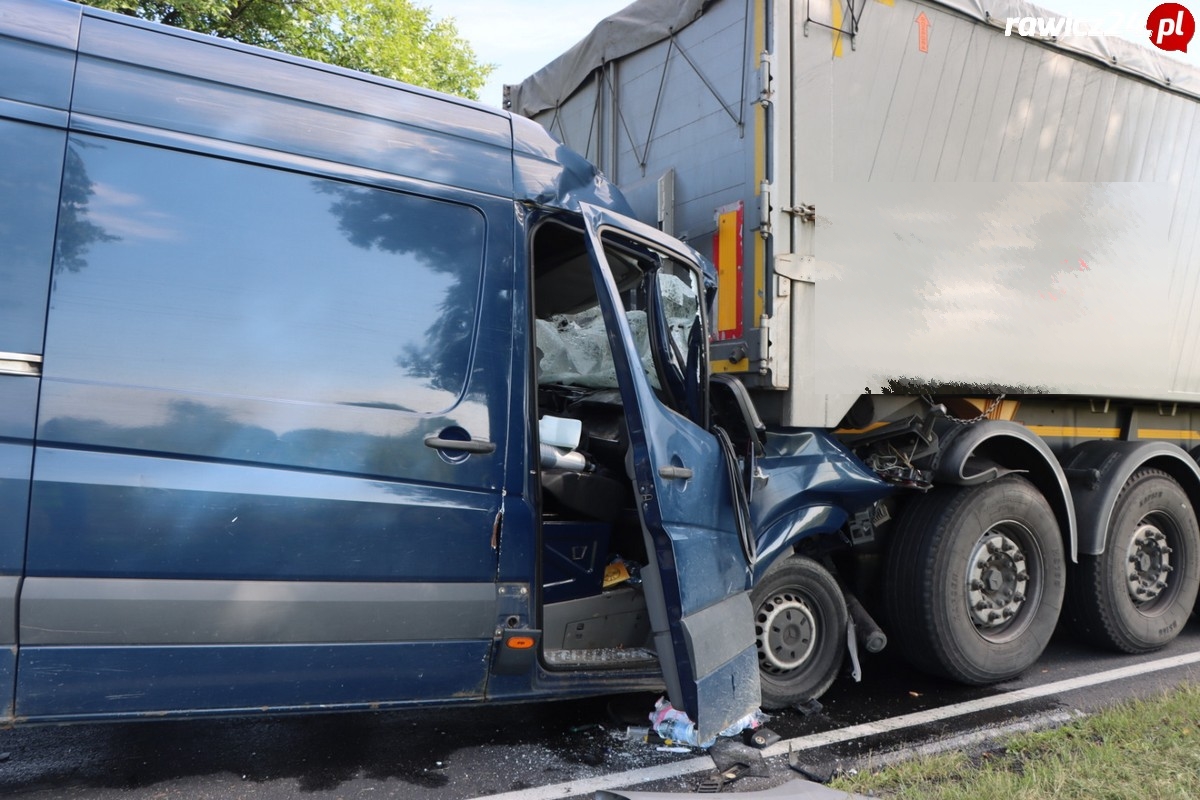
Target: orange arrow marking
point(923, 32)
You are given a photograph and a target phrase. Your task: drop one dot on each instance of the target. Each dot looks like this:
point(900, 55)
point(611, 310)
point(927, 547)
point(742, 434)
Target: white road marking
point(677, 769)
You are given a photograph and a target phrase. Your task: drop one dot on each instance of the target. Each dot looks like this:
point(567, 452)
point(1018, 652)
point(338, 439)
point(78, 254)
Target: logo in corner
point(1171, 27)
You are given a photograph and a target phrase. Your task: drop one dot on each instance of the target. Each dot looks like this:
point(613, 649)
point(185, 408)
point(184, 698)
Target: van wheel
point(1137, 595)
point(974, 580)
point(800, 630)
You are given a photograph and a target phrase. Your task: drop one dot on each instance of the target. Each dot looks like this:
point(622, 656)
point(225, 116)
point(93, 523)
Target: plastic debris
point(635, 733)
point(739, 759)
point(734, 761)
point(762, 738)
point(852, 646)
point(809, 708)
point(675, 728)
point(621, 571)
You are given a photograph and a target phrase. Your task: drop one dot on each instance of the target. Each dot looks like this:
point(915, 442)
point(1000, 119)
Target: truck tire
point(974, 580)
point(800, 628)
point(1136, 596)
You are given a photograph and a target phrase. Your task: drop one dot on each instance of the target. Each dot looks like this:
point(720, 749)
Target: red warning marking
point(923, 32)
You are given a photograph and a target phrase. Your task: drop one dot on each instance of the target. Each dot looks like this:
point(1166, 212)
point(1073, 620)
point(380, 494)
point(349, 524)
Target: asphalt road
point(460, 753)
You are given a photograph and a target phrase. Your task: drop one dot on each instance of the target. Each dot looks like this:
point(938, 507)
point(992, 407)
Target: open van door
point(651, 294)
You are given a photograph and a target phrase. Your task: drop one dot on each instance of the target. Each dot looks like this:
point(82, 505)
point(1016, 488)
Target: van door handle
point(467, 446)
point(675, 473)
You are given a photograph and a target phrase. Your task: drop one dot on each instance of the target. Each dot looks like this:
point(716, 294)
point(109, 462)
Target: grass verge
point(1139, 750)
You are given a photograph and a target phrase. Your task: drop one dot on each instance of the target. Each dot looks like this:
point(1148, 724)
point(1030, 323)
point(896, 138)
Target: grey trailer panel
point(995, 211)
point(1018, 277)
point(963, 289)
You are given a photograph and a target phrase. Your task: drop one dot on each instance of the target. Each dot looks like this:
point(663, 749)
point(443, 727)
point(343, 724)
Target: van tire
point(974, 580)
point(1153, 522)
point(800, 623)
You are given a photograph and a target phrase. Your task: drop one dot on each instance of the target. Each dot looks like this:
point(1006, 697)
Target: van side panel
point(233, 502)
point(225, 679)
point(37, 60)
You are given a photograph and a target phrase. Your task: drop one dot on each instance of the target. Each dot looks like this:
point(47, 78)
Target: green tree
point(391, 38)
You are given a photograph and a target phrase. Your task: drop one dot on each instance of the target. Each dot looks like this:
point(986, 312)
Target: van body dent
point(275, 344)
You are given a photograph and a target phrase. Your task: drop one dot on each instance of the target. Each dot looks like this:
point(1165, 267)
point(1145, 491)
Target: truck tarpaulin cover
point(649, 21)
point(631, 29)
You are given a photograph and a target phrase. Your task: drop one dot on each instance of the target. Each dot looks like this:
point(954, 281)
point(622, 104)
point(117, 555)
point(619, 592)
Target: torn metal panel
point(546, 173)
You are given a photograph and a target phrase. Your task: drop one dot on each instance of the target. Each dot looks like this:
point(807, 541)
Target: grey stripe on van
point(9, 585)
point(81, 611)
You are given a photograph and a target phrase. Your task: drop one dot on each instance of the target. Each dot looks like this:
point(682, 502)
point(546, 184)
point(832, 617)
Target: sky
point(521, 36)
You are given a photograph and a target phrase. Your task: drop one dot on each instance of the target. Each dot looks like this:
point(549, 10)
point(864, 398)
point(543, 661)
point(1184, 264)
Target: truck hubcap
point(785, 632)
point(1147, 565)
point(997, 580)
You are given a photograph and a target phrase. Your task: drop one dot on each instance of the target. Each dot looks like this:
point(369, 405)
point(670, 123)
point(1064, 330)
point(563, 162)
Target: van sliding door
point(240, 500)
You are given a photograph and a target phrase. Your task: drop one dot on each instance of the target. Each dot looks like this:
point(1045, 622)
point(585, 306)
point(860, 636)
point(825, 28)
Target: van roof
point(303, 109)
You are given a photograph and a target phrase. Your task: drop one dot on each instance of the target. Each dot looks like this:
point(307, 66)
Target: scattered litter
point(634, 733)
point(621, 571)
point(667, 749)
point(676, 729)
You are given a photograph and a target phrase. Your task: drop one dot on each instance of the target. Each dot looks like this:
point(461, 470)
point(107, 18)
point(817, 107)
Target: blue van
point(322, 392)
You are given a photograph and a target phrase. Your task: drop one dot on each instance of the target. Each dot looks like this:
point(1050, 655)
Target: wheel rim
point(785, 632)
point(1004, 581)
point(1147, 565)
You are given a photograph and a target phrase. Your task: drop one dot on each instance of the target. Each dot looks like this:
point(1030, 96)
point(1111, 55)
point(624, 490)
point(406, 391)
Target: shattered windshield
point(661, 300)
point(574, 349)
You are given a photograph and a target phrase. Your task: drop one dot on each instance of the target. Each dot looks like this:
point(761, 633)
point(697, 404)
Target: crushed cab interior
point(594, 612)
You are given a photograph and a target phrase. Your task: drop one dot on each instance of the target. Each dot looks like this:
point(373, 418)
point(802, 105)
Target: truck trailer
point(967, 255)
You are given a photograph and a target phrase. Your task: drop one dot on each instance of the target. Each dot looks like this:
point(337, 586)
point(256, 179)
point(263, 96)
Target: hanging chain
point(985, 414)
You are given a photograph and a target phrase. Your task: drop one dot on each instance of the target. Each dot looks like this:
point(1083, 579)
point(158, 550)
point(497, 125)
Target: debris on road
point(675, 728)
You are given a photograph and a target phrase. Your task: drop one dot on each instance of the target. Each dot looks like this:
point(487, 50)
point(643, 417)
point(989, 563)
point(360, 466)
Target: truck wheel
point(974, 580)
point(1137, 595)
point(800, 629)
